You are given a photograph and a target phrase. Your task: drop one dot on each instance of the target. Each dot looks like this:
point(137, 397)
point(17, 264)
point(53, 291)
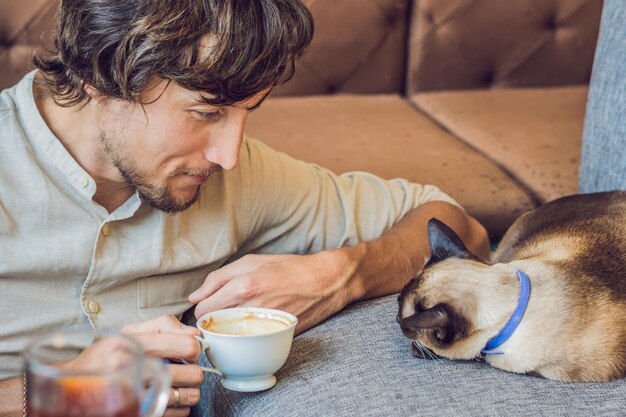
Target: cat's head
point(458, 302)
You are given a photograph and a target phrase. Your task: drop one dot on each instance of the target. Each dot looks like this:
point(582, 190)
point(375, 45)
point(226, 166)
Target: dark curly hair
point(231, 49)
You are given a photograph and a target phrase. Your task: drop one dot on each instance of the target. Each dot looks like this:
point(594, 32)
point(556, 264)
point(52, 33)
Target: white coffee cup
point(243, 352)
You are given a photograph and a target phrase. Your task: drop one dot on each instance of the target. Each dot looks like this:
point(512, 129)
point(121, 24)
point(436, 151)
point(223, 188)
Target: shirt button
point(93, 307)
point(106, 230)
point(83, 181)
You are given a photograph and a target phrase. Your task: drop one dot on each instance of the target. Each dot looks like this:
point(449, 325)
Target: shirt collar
point(41, 136)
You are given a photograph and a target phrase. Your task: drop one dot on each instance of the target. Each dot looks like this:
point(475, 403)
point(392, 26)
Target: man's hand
point(312, 287)
point(166, 337)
point(11, 397)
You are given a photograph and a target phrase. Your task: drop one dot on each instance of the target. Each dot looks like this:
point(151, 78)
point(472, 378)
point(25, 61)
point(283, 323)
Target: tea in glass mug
point(82, 372)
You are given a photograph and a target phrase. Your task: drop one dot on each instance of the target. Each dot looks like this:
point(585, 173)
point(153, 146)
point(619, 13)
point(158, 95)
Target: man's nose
point(224, 148)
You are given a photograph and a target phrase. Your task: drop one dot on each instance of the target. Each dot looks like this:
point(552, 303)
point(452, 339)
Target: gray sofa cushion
point(358, 363)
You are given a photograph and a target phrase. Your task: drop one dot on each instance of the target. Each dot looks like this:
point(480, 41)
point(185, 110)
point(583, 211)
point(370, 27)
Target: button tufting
point(551, 24)
point(488, 78)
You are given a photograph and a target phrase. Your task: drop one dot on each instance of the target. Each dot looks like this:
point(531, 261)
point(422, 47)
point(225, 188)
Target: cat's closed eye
point(440, 334)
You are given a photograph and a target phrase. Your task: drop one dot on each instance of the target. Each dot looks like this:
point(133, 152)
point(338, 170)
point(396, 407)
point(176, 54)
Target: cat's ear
point(444, 323)
point(444, 243)
point(428, 319)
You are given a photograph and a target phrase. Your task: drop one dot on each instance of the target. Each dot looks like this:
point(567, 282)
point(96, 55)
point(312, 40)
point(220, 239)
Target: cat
point(560, 270)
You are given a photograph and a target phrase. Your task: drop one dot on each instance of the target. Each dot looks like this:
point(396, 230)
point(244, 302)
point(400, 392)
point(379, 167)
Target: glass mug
point(88, 373)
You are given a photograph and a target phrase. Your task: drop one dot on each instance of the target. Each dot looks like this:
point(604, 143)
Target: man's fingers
point(188, 397)
point(186, 375)
point(212, 303)
point(235, 293)
point(213, 282)
point(174, 346)
point(185, 391)
point(218, 278)
point(177, 412)
point(162, 324)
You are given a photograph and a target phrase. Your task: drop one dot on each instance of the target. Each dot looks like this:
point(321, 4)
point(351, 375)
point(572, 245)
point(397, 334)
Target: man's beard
point(161, 198)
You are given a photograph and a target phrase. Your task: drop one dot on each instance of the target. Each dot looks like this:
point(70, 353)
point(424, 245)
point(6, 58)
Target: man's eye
point(207, 115)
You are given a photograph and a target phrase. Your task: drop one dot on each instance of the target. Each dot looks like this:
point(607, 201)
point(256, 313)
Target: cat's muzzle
point(422, 352)
point(418, 350)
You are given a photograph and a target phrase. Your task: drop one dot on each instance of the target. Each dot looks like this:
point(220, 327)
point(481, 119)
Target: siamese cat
point(551, 302)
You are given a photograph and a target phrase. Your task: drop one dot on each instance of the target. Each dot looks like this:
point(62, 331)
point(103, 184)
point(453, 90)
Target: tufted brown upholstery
point(499, 151)
point(460, 44)
point(359, 47)
point(25, 25)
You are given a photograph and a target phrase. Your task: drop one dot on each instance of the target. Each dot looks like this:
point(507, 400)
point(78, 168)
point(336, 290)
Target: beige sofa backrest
point(359, 45)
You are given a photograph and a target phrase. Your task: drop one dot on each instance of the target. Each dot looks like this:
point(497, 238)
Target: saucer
point(252, 384)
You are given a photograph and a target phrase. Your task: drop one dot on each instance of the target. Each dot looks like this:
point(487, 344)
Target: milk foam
point(245, 326)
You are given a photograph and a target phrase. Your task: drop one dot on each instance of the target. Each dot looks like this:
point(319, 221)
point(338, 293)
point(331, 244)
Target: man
point(128, 189)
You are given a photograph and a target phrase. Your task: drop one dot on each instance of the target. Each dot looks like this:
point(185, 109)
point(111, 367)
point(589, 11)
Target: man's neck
point(77, 130)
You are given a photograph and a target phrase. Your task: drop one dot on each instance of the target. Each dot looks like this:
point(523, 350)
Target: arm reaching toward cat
point(313, 287)
point(386, 264)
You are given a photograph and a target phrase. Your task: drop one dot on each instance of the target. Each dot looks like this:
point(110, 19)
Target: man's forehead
point(251, 103)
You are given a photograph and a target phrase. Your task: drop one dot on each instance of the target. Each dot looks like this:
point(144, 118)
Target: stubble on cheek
point(157, 195)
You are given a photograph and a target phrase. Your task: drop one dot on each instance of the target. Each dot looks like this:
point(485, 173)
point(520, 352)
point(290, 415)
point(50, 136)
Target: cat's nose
point(406, 330)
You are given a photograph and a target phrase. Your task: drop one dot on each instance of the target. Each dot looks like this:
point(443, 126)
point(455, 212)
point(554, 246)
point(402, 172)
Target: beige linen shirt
point(65, 260)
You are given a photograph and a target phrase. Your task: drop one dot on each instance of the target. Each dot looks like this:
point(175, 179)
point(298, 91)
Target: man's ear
point(444, 243)
point(93, 93)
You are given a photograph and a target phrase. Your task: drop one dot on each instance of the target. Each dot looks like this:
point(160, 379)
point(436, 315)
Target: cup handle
point(154, 402)
point(205, 346)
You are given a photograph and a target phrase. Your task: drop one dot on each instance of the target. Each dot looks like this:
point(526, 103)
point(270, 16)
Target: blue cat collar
point(515, 319)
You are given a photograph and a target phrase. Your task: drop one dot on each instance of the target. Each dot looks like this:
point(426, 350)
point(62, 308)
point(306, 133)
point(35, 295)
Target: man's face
point(168, 148)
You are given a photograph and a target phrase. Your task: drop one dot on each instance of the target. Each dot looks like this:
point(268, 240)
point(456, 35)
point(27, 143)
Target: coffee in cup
point(249, 324)
point(247, 345)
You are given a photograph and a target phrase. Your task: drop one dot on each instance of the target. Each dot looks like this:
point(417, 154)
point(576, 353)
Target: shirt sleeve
point(298, 207)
